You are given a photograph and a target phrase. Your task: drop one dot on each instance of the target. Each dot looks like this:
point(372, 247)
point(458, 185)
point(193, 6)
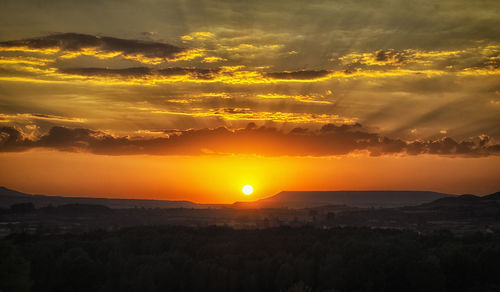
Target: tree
point(284, 277)
point(14, 269)
point(22, 208)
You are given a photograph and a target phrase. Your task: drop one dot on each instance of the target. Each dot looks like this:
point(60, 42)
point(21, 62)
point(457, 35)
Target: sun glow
point(247, 189)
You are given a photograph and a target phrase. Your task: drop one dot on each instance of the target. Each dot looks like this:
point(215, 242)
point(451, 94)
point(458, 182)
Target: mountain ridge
point(463, 200)
point(366, 199)
point(283, 199)
point(9, 197)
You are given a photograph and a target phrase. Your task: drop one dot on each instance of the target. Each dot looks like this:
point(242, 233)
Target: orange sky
point(192, 100)
point(216, 179)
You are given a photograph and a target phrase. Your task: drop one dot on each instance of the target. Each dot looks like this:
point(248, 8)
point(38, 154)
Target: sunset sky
point(192, 100)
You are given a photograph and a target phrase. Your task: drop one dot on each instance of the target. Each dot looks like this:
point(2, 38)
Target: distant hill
point(365, 199)
point(9, 197)
point(464, 201)
point(285, 199)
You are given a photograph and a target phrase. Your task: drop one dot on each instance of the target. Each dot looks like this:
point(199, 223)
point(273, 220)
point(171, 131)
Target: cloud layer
point(327, 141)
point(74, 42)
point(143, 72)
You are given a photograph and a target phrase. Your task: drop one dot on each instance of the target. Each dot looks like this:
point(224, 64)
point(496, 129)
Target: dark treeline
point(274, 259)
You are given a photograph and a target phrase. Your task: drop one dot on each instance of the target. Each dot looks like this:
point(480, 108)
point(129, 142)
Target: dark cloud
point(392, 56)
point(92, 71)
point(141, 72)
point(12, 140)
point(77, 42)
point(300, 75)
point(198, 73)
point(329, 140)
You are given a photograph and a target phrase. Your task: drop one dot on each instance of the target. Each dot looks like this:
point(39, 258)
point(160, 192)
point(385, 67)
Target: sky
point(192, 100)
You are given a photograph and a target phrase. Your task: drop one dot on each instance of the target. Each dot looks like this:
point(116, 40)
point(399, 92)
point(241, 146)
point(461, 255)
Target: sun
point(247, 189)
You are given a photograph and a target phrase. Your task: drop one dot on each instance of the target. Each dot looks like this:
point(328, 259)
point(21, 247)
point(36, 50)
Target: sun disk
point(247, 189)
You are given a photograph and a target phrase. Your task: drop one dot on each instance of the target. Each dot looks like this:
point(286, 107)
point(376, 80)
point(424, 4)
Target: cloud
point(247, 114)
point(300, 98)
point(298, 75)
point(389, 55)
point(328, 140)
point(36, 116)
point(379, 58)
point(466, 61)
point(213, 60)
point(223, 74)
point(135, 72)
point(74, 44)
point(24, 60)
point(387, 63)
point(12, 140)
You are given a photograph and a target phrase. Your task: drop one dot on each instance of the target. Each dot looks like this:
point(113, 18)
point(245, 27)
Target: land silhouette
point(285, 199)
point(292, 241)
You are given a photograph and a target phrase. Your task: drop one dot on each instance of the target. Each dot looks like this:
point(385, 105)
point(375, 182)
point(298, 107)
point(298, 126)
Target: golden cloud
point(300, 98)
point(247, 114)
point(33, 116)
